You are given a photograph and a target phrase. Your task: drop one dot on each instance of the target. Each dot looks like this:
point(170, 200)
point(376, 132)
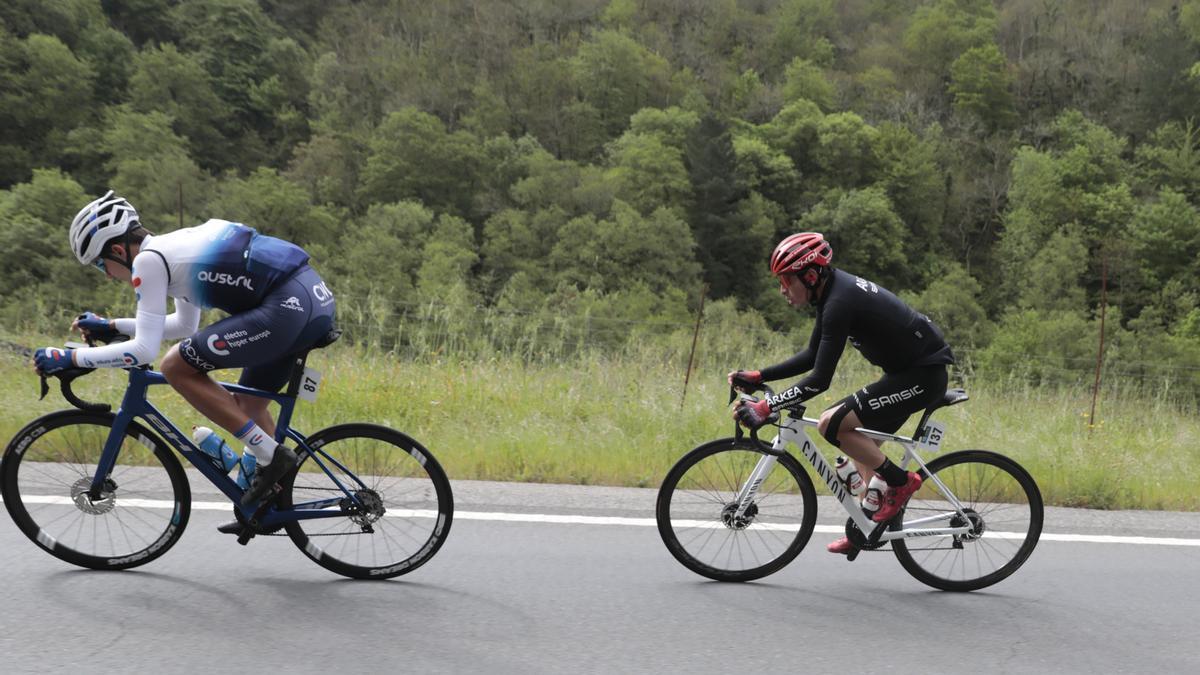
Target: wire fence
point(420, 330)
point(439, 330)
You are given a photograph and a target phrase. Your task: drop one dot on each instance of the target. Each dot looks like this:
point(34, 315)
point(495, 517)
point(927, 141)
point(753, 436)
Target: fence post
point(691, 357)
point(1100, 351)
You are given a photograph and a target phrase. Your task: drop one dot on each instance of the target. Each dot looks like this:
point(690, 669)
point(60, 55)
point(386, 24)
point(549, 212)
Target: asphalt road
point(538, 597)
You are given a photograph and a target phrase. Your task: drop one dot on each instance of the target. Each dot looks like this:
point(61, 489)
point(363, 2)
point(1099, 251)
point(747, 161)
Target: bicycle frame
point(135, 405)
point(791, 430)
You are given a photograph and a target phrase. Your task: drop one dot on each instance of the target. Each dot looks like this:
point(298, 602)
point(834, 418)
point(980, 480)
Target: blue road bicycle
point(102, 490)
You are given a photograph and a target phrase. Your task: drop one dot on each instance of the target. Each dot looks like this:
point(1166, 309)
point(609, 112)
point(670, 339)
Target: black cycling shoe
point(267, 475)
point(232, 527)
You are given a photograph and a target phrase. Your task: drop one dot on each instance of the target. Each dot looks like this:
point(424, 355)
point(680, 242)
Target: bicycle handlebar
point(68, 375)
point(795, 410)
point(65, 378)
point(734, 392)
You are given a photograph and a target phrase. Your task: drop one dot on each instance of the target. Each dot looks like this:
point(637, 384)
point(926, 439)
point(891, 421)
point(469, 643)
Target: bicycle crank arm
point(873, 538)
point(250, 529)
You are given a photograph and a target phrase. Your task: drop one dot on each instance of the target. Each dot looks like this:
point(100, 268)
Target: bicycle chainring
point(859, 539)
point(237, 513)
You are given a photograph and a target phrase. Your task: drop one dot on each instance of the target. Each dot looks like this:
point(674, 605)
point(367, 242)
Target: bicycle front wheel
point(1003, 507)
point(46, 475)
point(402, 513)
point(698, 517)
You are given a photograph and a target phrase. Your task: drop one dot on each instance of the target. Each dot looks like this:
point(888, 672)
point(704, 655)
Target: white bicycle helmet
point(98, 223)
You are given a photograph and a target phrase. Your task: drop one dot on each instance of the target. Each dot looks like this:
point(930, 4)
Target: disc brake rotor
point(735, 522)
point(974, 520)
point(84, 502)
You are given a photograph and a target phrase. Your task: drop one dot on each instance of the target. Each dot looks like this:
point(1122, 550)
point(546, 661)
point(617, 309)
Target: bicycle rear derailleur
point(371, 509)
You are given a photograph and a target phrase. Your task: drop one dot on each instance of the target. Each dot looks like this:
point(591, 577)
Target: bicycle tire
point(977, 479)
point(706, 511)
point(46, 471)
point(414, 502)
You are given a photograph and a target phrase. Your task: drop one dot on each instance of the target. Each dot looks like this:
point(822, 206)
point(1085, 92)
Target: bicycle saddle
point(329, 338)
point(951, 397)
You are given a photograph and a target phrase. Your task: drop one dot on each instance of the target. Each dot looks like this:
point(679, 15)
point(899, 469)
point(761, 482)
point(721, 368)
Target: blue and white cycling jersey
point(219, 264)
point(223, 265)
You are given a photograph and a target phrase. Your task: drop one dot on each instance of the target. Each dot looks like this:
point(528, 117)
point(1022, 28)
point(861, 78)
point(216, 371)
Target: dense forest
point(1007, 166)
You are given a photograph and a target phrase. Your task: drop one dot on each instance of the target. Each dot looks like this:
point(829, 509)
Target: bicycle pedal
point(246, 535)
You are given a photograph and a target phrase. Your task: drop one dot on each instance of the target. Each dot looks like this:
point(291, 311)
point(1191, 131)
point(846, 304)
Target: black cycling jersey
point(887, 332)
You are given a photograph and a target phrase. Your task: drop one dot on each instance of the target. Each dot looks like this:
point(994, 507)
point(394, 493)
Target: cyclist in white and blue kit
point(277, 305)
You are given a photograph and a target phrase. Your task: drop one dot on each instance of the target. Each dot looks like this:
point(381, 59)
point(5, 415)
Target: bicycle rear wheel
point(1004, 508)
point(406, 511)
point(697, 519)
point(46, 474)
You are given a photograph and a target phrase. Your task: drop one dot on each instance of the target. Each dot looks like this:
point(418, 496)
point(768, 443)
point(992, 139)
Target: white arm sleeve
point(182, 323)
point(150, 282)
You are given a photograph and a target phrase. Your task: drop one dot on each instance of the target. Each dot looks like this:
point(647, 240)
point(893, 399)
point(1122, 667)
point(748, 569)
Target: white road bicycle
point(738, 509)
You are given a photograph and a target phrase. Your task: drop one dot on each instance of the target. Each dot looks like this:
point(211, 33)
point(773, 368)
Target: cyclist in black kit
point(908, 347)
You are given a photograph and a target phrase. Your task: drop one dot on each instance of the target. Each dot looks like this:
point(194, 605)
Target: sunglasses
point(99, 263)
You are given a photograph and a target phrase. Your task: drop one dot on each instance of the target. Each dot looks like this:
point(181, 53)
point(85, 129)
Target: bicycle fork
point(746, 495)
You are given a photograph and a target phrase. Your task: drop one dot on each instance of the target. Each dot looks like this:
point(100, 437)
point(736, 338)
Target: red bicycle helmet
point(799, 251)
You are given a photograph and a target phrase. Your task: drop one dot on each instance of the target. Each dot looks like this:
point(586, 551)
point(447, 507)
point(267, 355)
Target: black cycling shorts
point(292, 317)
point(887, 404)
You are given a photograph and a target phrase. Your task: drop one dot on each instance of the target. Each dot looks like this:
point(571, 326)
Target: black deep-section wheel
point(402, 513)
point(1003, 508)
point(139, 514)
point(698, 519)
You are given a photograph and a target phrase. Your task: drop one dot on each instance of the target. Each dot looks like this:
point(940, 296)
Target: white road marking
point(636, 522)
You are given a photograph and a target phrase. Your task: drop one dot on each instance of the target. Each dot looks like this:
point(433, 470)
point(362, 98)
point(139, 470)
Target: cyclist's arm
point(150, 282)
point(797, 364)
point(181, 323)
point(835, 329)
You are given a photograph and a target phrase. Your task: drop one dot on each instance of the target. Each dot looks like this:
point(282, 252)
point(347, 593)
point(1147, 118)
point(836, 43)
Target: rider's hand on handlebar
point(95, 327)
point(745, 380)
point(751, 413)
point(50, 360)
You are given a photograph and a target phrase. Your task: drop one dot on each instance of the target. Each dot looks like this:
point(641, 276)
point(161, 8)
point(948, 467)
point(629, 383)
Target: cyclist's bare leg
point(256, 408)
point(204, 394)
point(864, 451)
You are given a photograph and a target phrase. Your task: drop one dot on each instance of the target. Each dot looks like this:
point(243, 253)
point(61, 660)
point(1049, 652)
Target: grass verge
point(619, 420)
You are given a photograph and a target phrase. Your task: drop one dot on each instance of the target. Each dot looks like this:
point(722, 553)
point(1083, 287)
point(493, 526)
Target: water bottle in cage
point(873, 498)
point(246, 469)
point(223, 457)
point(848, 473)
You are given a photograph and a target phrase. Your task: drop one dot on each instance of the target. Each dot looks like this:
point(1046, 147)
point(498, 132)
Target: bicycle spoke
point(999, 499)
point(374, 530)
point(711, 532)
point(47, 486)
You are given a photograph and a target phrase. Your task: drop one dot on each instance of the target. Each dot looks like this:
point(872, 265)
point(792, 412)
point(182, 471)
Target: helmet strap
point(125, 241)
point(812, 277)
